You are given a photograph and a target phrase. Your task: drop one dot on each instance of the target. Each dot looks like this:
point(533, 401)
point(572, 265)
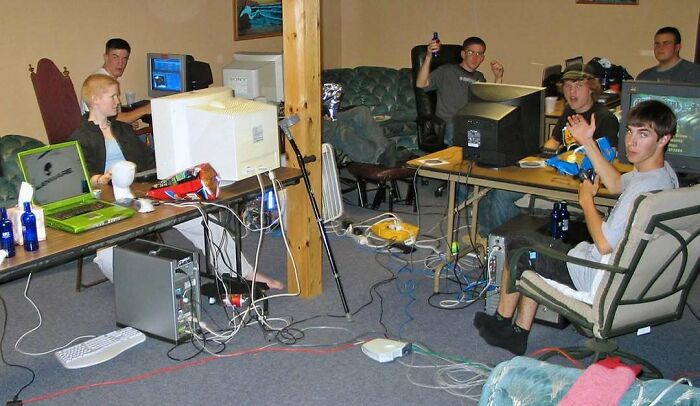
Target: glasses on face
point(475, 53)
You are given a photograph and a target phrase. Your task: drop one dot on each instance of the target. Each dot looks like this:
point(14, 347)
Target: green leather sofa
point(10, 174)
point(386, 92)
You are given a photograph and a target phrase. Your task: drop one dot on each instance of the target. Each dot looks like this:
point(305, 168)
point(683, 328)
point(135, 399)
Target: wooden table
point(545, 182)
point(61, 246)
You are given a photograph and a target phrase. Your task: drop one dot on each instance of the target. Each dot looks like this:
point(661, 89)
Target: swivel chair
point(431, 128)
point(645, 283)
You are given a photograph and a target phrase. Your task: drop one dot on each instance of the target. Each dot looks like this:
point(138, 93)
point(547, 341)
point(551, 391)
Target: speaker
point(495, 262)
point(156, 289)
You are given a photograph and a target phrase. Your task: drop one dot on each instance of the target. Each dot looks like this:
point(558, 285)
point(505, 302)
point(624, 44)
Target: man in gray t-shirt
point(452, 81)
point(671, 67)
point(650, 126)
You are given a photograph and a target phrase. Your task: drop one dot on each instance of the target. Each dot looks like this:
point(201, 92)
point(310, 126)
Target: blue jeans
point(496, 208)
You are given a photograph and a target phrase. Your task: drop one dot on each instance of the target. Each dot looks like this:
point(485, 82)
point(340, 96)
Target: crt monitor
point(256, 75)
point(238, 137)
point(501, 124)
point(167, 74)
point(684, 99)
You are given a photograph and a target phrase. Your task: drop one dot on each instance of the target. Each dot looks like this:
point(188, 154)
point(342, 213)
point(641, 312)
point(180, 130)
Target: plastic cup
point(130, 98)
point(550, 104)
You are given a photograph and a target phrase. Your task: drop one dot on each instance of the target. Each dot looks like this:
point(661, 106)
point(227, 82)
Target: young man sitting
point(651, 125)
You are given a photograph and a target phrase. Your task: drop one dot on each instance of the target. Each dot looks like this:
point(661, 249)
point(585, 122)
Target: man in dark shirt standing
point(671, 67)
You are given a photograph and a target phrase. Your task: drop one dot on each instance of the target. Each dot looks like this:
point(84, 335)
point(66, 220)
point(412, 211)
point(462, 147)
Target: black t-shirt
point(606, 126)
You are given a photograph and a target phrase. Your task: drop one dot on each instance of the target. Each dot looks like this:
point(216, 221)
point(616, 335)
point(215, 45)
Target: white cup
point(130, 98)
point(550, 104)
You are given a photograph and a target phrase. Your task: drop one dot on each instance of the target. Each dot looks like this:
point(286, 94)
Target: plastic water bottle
point(29, 233)
point(555, 221)
point(436, 38)
point(564, 221)
point(8, 236)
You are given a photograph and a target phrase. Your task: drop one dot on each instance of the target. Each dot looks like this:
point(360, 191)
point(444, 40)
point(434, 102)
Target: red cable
point(561, 352)
point(189, 364)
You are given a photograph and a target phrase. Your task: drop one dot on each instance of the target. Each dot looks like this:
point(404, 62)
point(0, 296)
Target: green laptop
point(62, 188)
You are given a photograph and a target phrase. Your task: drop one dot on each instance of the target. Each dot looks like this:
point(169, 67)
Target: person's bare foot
point(271, 283)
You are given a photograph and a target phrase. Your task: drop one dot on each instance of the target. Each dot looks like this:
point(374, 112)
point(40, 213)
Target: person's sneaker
point(495, 322)
point(514, 339)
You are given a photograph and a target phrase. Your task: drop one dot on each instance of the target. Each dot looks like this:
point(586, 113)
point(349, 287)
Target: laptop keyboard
point(78, 210)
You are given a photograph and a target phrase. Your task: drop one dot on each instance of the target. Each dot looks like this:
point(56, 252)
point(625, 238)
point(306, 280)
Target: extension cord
point(397, 231)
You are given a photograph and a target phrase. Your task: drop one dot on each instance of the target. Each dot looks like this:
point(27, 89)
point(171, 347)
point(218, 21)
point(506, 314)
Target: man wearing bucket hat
point(580, 86)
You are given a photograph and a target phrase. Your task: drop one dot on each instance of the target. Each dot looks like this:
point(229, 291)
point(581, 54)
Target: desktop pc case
point(497, 256)
point(156, 289)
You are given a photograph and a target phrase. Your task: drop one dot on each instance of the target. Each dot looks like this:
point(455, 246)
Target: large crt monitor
point(256, 75)
point(684, 99)
point(167, 74)
point(501, 124)
point(238, 137)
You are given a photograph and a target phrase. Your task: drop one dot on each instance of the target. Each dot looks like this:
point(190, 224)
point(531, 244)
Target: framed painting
point(624, 2)
point(257, 19)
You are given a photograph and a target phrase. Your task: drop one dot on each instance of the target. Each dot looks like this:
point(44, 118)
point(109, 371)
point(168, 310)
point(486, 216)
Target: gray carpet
point(322, 373)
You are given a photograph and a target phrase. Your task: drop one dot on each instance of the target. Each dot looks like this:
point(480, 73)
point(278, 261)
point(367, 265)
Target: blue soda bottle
point(436, 38)
point(8, 236)
point(564, 220)
point(29, 233)
point(555, 221)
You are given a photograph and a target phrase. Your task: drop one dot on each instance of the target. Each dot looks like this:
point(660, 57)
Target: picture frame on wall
point(618, 2)
point(257, 19)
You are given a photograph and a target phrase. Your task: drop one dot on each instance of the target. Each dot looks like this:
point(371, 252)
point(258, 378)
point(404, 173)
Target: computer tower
point(497, 254)
point(156, 289)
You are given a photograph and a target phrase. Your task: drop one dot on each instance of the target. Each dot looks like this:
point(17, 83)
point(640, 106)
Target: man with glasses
point(452, 81)
point(116, 57)
point(671, 67)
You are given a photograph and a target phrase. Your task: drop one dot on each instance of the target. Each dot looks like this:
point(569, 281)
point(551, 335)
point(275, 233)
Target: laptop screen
point(56, 172)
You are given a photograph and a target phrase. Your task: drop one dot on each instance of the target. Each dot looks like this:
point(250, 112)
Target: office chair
point(431, 129)
point(646, 281)
point(57, 101)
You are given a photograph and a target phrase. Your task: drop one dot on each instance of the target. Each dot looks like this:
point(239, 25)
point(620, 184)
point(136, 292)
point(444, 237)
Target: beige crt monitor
point(238, 137)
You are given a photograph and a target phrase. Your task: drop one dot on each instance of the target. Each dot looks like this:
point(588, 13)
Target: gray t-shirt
point(633, 184)
point(683, 72)
point(452, 84)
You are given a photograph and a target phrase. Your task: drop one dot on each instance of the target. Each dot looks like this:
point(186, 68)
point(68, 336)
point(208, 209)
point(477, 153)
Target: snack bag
point(201, 182)
point(572, 162)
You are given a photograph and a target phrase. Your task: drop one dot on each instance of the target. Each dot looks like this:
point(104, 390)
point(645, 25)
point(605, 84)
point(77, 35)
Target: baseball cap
point(578, 71)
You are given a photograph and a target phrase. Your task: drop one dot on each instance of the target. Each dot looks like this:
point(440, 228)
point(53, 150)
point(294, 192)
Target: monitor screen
point(501, 124)
point(684, 99)
point(167, 74)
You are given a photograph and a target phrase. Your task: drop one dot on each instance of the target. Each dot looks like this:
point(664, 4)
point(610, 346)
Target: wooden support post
point(302, 90)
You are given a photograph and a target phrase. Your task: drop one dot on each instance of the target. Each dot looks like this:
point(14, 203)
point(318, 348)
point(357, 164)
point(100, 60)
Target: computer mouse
point(144, 205)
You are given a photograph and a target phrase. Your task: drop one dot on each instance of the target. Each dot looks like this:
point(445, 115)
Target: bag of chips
point(574, 161)
point(201, 182)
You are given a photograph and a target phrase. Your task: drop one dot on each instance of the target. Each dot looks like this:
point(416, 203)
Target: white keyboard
point(100, 349)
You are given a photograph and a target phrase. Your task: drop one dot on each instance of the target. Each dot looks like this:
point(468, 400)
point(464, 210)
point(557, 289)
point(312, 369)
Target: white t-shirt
point(634, 183)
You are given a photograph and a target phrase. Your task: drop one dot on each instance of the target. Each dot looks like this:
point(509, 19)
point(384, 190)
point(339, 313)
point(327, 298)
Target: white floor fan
point(332, 194)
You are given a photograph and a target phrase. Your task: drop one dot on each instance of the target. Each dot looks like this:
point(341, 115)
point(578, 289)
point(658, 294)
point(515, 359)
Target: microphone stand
point(284, 125)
